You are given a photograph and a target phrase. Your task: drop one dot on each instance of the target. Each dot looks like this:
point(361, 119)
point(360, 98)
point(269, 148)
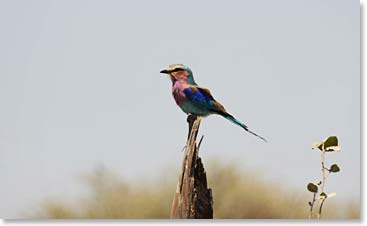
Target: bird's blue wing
point(202, 98)
point(197, 96)
point(204, 103)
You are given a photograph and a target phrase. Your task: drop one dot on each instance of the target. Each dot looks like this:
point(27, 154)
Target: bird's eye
point(177, 69)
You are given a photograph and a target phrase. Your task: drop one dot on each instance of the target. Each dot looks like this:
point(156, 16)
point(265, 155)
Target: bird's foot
point(191, 118)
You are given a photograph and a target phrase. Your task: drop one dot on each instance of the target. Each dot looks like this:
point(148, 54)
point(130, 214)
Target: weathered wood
point(193, 199)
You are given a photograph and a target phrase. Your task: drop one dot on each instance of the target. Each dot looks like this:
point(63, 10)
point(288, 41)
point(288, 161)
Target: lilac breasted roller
point(194, 99)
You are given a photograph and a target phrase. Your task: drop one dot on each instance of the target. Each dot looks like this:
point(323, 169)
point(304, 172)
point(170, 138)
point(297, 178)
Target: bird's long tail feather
point(235, 121)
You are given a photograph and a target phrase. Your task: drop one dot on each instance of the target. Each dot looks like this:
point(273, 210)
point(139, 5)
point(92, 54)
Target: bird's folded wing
point(202, 98)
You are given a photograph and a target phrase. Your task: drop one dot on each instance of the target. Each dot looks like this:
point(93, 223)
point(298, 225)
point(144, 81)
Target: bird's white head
point(179, 72)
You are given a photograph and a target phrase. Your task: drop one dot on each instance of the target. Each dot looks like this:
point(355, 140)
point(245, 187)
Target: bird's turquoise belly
point(191, 108)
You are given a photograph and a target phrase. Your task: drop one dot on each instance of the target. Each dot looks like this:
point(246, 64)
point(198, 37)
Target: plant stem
point(323, 181)
point(323, 170)
point(312, 204)
point(320, 209)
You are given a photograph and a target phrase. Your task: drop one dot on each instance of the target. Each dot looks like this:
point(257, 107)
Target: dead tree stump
point(193, 199)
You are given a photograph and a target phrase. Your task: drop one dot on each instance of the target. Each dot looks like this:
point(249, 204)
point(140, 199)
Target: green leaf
point(329, 144)
point(319, 183)
point(323, 194)
point(331, 141)
point(312, 188)
point(334, 168)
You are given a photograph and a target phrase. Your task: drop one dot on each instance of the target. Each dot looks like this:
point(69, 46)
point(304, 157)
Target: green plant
point(240, 193)
point(330, 144)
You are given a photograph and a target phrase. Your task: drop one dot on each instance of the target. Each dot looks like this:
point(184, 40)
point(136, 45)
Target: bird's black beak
point(165, 71)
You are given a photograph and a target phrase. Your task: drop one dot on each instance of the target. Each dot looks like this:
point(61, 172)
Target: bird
point(194, 99)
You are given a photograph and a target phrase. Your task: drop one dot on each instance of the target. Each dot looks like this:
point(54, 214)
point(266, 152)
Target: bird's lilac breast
point(178, 92)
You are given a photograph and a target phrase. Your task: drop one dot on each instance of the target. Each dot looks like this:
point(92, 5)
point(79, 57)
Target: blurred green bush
point(237, 194)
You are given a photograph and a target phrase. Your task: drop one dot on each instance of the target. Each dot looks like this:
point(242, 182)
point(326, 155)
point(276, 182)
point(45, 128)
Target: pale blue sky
point(80, 87)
